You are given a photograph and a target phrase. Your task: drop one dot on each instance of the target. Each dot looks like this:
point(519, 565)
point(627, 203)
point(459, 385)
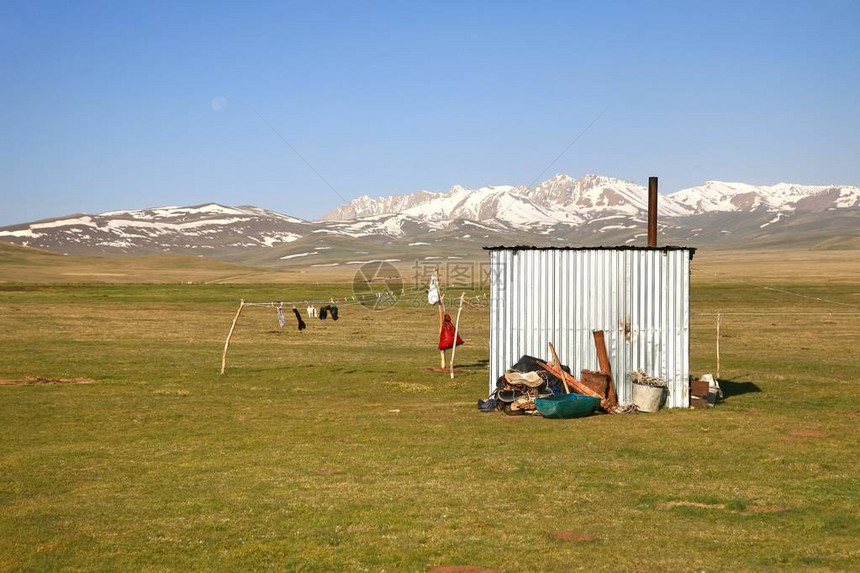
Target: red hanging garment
point(446, 337)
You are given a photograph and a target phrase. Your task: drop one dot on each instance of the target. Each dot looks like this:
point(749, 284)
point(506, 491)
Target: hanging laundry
point(302, 324)
point(312, 312)
point(281, 320)
point(324, 313)
point(333, 310)
point(446, 335)
point(433, 291)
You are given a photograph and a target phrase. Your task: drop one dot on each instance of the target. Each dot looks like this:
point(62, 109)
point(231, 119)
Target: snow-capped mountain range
point(561, 210)
point(563, 199)
point(171, 229)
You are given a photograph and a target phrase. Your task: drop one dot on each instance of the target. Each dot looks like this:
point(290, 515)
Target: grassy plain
point(336, 449)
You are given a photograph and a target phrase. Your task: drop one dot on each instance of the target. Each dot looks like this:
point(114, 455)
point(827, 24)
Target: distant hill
point(28, 265)
point(428, 226)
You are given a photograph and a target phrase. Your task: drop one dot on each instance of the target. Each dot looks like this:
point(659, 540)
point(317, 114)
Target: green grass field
point(338, 449)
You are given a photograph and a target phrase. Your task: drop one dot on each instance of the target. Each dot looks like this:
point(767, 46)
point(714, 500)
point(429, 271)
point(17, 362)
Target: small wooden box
point(597, 381)
point(699, 388)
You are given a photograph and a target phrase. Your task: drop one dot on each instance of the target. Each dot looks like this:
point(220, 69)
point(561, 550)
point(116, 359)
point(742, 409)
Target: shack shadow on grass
point(732, 388)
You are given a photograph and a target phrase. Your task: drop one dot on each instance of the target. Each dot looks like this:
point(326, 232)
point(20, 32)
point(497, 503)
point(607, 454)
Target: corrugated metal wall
point(639, 297)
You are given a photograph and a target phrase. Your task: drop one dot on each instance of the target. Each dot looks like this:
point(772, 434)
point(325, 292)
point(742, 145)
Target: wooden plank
point(558, 364)
point(604, 365)
point(456, 332)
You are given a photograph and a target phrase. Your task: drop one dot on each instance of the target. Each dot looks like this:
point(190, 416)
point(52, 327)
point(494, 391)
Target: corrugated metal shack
point(639, 297)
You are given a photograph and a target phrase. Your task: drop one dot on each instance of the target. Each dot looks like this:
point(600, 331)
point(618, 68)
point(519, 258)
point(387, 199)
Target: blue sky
point(108, 106)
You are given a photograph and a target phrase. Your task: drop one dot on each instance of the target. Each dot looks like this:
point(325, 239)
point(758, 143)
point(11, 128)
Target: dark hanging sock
point(333, 310)
point(324, 313)
point(302, 324)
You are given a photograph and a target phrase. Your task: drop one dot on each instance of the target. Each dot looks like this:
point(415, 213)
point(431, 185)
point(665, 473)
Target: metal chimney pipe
point(652, 211)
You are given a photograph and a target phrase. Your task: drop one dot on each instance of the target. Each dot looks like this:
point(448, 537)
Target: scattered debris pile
point(522, 384)
point(549, 389)
point(534, 387)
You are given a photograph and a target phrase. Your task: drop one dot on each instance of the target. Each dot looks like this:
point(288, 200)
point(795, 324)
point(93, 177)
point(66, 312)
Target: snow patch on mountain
point(848, 197)
point(597, 194)
point(299, 255)
point(365, 206)
point(85, 220)
point(776, 219)
point(719, 196)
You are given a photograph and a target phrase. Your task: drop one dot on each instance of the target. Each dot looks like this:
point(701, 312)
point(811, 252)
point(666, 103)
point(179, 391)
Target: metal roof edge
point(613, 248)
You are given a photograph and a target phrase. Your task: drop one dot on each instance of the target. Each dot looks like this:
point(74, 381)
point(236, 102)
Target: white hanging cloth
point(433, 291)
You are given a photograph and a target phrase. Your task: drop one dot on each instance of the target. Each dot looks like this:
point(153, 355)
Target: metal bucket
point(648, 398)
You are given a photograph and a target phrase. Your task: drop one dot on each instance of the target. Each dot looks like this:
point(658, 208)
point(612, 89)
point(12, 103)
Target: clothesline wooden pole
point(456, 329)
point(230, 335)
point(719, 319)
point(441, 320)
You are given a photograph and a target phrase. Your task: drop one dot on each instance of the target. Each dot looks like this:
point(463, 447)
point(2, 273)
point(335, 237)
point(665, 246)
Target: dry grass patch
point(765, 509)
point(38, 381)
point(807, 433)
point(698, 504)
point(565, 535)
point(460, 569)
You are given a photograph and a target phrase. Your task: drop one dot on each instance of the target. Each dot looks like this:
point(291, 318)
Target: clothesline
point(351, 300)
point(431, 293)
point(279, 304)
point(354, 299)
